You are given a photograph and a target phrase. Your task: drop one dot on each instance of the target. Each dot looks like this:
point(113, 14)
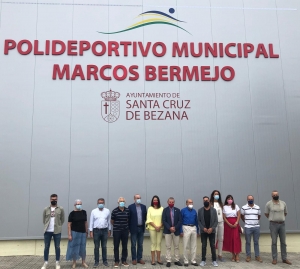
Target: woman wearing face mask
point(155, 227)
point(77, 233)
point(216, 202)
point(232, 240)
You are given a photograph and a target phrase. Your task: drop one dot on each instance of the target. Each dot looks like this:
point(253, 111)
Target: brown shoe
point(116, 264)
point(141, 262)
point(248, 259)
point(125, 264)
point(258, 259)
point(274, 262)
point(287, 262)
point(134, 262)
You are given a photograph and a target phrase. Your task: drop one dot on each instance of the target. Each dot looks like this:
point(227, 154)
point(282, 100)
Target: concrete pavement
point(36, 262)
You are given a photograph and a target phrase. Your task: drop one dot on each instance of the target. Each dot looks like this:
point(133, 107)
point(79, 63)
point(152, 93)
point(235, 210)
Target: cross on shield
point(110, 110)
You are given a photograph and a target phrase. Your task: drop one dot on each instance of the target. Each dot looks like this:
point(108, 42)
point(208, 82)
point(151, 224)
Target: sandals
point(153, 263)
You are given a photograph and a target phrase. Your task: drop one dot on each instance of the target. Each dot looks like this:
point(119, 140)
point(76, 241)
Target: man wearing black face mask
point(53, 219)
point(276, 212)
point(208, 221)
point(250, 214)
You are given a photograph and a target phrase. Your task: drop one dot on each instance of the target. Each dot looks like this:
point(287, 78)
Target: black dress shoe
point(168, 264)
point(178, 263)
point(195, 264)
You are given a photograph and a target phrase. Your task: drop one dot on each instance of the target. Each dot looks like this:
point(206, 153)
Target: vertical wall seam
point(32, 117)
point(71, 116)
point(180, 124)
point(252, 121)
point(107, 122)
point(0, 13)
point(145, 130)
point(286, 116)
point(217, 129)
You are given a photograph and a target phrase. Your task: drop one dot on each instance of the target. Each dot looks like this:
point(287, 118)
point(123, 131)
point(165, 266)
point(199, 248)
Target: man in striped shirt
point(250, 214)
point(119, 219)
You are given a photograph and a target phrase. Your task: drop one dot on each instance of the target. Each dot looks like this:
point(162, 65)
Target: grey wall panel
point(127, 138)
point(289, 44)
point(89, 132)
point(51, 121)
point(270, 126)
point(233, 108)
point(16, 121)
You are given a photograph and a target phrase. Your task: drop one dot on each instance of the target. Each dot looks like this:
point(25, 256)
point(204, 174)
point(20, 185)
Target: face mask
point(100, 206)
point(138, 201)
point(276, 197)
point(122, 204)
point(53, 202)
point(155, 202)
point(206, 204)
point(216, 197)
point(250, 202)
point(190, 206)
point(79, 207)
point(229, 201)
point(171, 205)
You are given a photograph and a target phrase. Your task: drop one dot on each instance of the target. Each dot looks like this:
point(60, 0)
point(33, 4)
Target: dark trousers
point(211, 238)
point(120, 236)
point(47, 240)
point(137, 253)
point(100, 235)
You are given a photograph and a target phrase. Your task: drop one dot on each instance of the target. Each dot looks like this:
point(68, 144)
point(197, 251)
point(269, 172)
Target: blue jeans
point(137, 253)
point(100, 235)
point(47, 240)
point(255, 231)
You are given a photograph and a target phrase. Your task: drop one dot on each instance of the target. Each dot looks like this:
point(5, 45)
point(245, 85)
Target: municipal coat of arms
point(110, 106)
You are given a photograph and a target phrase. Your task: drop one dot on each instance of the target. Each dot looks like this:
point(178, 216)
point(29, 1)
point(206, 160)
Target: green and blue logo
point(150, 18)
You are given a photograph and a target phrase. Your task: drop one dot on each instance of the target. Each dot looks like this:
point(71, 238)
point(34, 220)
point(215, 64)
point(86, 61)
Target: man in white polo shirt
point(250, 214)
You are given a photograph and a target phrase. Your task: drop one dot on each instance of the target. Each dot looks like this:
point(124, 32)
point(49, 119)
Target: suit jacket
point(133, 219)
point(213, 219)
point(166, 218)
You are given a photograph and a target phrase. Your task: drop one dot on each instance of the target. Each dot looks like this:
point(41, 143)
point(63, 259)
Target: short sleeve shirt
point(276, 211)
point(229, 212)
point(120, 219)
point(251, 215)
point(78, 219)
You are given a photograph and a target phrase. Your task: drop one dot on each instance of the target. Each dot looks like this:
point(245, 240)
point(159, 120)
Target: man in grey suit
point(208, 221)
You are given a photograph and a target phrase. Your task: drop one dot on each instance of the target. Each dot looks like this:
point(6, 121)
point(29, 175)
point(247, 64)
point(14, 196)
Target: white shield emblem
point(110, 110)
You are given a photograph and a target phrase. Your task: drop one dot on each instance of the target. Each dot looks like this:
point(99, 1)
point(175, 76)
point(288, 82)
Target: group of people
point(215, 221)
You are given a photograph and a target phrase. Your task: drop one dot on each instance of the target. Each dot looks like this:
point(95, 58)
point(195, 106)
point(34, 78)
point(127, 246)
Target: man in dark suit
point(172, 222)
point(138, 214)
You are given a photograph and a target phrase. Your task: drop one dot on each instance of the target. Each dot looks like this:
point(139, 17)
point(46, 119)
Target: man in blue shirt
point(189, 230)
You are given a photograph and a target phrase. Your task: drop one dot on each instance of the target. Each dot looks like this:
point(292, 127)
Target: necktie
point(171, 215)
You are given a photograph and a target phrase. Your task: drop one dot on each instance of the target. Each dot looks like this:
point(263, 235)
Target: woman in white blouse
point(232, 240)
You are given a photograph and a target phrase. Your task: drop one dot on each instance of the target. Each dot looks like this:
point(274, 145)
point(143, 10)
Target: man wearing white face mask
point(138, 214)
point(100, 229)
point(120, 219)
point(189, 231)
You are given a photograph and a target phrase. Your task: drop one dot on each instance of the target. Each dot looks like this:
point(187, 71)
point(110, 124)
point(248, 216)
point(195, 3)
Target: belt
point(278, 222)
point(191, 225)
point(100, 228)
point(140, 226)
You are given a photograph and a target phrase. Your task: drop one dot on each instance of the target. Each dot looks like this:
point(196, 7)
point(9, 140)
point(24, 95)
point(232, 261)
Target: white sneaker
point(45, 265)
point(57, 265)
point(215, 264)
point(202, 263)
